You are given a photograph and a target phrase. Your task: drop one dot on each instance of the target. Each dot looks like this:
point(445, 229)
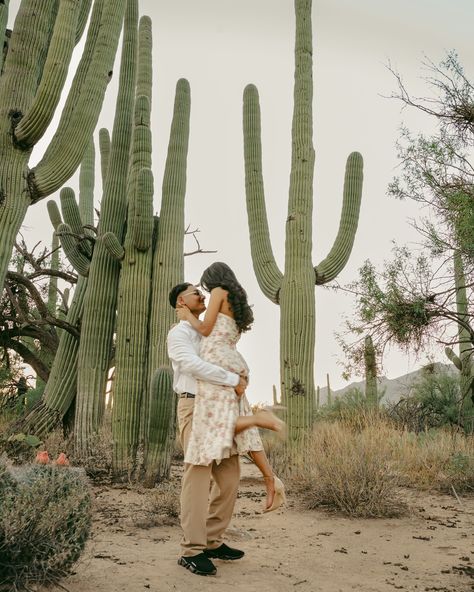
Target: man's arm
point(181, 351)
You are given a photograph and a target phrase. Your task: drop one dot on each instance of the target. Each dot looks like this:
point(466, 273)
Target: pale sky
point(222, 45)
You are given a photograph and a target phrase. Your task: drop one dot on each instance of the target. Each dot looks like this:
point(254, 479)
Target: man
point(204, 515)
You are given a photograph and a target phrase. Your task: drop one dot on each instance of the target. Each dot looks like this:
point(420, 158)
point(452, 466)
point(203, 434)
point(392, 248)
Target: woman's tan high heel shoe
point(279, 498)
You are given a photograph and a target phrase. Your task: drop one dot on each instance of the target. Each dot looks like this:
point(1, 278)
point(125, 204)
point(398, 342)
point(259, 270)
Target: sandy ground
point(432, 549)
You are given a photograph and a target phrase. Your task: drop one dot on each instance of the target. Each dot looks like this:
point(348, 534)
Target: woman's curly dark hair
point(220, 275)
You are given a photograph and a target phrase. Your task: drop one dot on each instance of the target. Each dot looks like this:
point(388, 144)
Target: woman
point(219, 417)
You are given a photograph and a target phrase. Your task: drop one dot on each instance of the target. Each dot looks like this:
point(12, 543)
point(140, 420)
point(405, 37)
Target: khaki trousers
point(205, 514)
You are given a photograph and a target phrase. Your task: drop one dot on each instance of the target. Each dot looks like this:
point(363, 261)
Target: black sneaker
point(224, 552)
point(198, 564)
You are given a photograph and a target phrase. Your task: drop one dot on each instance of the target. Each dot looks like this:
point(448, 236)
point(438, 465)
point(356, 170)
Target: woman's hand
point(183, 313)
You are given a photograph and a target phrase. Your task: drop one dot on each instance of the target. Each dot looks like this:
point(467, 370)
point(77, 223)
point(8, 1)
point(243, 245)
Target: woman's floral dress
point(217, 407)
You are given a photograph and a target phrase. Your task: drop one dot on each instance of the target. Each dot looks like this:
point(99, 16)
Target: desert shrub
point(97, 463)
point(350, 471)
point(351, 408)
point(437, 459)
point(434, 401)
point(161, 506)
point(44, 524)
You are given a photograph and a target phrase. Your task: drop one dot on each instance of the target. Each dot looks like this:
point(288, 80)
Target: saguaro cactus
point(98, 321)
point(134, 290)
point(463, 362)
point(293, 290)
point(31, 83)
point(370, 362)
point(60, 389)
point(168, 270)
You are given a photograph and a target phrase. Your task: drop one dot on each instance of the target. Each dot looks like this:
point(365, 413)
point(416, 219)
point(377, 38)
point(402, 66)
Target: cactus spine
point(370, 362)
point(293, 290)
point(30, 86)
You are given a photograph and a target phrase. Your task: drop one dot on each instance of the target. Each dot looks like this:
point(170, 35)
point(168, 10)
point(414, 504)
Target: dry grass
point(350, 471)
point(357, 463)
point(161, 506)
point(98, 462)
point(438, 459)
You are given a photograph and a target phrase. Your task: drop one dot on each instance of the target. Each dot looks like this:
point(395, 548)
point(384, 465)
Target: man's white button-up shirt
point(183, 351)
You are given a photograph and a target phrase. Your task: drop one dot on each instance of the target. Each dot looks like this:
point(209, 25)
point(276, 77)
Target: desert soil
point(431, 549)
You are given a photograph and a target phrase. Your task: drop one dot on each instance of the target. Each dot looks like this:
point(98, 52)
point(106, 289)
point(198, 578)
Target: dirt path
point(300, 550)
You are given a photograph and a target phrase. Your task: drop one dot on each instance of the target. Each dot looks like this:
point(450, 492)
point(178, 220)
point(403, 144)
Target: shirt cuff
point(234, 379)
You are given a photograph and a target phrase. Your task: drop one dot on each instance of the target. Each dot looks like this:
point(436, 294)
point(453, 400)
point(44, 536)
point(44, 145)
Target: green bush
point(434, 402)
point(45, 519)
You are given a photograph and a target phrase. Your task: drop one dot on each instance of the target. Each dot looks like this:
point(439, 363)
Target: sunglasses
point(193, 293)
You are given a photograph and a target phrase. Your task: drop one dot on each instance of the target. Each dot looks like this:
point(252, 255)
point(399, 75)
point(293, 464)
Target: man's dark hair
point(176, 291)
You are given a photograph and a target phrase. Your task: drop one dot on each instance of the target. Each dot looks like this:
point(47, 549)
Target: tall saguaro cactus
point(98, 321)
point(371, 394)
point(31, 82)
point(133, 304)
point(293, 289)
point(463, 362)
point(168, 270)
point(60, 389)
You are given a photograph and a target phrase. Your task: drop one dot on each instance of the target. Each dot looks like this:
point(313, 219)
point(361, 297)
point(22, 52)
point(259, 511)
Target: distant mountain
point(393, 388)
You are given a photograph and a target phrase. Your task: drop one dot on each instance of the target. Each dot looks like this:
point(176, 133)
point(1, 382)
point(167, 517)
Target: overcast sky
point(222, 45)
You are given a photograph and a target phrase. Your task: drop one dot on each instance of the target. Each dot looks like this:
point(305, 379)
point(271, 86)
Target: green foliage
point(435, 401)
point(439, 397)
point(28, 439)
point(44, 524)
point(396, 305)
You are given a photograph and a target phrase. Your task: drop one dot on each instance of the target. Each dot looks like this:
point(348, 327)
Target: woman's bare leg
point(261, 419)
point(260, 459)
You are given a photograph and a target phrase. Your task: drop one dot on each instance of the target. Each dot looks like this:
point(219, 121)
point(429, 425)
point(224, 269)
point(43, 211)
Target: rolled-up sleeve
point(181, 352)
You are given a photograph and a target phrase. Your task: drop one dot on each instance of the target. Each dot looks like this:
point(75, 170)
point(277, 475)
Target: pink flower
point(62, 460)
point(42, 457)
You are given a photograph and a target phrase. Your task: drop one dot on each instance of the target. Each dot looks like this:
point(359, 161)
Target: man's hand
point(182, 312)
point(240, 388)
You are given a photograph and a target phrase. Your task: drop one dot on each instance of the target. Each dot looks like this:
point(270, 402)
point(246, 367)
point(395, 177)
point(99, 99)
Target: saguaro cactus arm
point(453, 358)
point(71, 247)
point(29, 37)
point(64, 156)
point(3, 25)
point(35, 122)
point(269, 276)
point(144, 72)
point(337, 258)
point(113, 245)
point(70, 210)
point(141, 223)
point(104, 147)
point(86, 185)
point(82, 18)
point(54, 213)
point(72, 217)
